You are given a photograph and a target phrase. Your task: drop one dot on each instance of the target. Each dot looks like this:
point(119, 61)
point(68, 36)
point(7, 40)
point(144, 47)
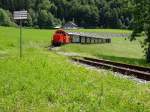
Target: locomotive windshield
point(61, 32)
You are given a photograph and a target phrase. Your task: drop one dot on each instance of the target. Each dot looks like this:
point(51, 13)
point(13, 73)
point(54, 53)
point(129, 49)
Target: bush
point(4, 18)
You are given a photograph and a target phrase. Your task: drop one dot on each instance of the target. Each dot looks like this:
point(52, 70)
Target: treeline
point(85, 13)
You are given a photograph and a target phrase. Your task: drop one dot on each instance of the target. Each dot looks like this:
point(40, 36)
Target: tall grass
point(43, 81)
point(48, 82)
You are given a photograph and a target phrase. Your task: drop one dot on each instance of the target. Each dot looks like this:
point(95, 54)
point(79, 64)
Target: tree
point(43, 18)
point(87, 16)
point(86, 13)
point(4, 18)
point(47, 20)
point(142, 23)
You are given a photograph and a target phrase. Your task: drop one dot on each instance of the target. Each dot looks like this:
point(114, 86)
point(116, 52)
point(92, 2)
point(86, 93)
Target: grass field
point(43, 81)
point(121, 50)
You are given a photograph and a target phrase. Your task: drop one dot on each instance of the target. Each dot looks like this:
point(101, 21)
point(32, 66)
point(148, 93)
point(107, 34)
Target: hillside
point(85, 13)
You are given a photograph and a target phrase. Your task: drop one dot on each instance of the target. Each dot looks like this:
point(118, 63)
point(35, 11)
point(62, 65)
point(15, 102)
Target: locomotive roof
point(60, 30)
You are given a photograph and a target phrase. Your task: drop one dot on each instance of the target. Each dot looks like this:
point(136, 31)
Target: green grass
point(121, 50)
point(43, 81)
point(9, 39)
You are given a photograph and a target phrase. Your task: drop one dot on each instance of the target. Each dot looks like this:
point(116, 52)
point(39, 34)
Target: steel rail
point(131, 70)
point(144, 69)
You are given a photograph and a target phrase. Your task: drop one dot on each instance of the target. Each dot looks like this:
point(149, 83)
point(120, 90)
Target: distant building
point(70, 25)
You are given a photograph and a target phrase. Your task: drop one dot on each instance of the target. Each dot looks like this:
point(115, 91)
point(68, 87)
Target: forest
point(115, 14)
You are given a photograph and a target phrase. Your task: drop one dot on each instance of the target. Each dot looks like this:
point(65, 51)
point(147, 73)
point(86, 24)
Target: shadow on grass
point(132, 61)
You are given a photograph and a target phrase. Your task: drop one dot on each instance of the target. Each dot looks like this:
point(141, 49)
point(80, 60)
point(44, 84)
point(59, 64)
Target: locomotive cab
point(60, 37)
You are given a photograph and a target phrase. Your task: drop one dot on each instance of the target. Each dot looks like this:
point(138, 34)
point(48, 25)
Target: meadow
point(43, 81)
point(120, 49)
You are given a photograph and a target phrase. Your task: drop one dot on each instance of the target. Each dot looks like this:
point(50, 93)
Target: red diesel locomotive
point(60, 37)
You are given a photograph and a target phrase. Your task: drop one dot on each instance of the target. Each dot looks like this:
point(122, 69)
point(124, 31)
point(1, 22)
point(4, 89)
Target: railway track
point(126, 69)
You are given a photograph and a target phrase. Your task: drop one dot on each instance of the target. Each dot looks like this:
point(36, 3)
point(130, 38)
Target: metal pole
point(20, 38)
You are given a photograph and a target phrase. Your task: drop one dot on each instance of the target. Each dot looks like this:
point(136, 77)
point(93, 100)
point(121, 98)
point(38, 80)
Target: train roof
point(99, 35)
point(91, 35)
